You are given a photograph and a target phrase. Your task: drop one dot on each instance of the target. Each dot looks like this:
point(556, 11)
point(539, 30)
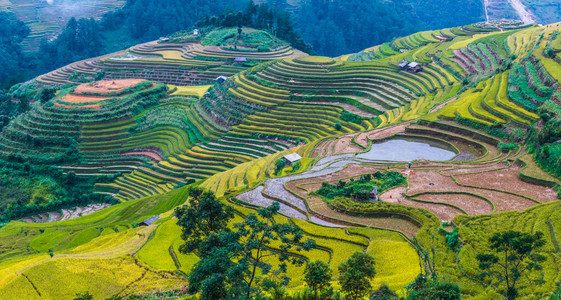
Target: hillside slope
point(469, 116)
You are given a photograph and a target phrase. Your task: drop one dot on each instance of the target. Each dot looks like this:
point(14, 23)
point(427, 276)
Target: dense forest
point(341, 27)
point(12, 61)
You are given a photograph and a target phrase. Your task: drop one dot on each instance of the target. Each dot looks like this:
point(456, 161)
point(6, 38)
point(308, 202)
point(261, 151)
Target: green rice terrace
point(415, 151)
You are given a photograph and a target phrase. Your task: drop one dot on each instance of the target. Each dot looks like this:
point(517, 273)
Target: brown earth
point(344, 145)
point(93, 106)
point(432, 181)
point(107, 86)
point(387, 131)
point(150, 155)
point(507, 180)
point(319, 206)
point(467, 169)
point(72, 98)
point(471, 204)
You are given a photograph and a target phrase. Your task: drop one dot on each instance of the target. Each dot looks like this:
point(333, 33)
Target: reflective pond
point(408, 149)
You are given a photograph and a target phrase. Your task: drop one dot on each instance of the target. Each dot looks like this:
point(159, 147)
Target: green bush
point(350, 117)
point(507, 147)
point(337, 126)
point(360, 189)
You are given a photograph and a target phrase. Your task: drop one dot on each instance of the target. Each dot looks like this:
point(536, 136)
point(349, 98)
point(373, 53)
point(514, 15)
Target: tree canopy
point(355, 275)
point(515, 255)
point(317, 275)
point(235, 260)
point(12, 60)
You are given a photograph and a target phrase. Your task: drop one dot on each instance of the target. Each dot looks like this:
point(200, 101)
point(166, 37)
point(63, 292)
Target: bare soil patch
point(150, 155)
point(72, 98)
point(362, 139)
point(471, 204)
point(432, 181)
point(92, 106)
point(344, 145)
point(467, 169)
point(507, 180)
point(408, 228)
point(107, 86)
point(397, 195)
point(387, 132)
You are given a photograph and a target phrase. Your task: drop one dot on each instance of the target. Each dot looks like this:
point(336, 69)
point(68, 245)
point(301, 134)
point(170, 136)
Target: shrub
point(317, 275)
point(337, 126)
point(350, 117)
point(507, 147)
point(360, 189)
point(383, 293)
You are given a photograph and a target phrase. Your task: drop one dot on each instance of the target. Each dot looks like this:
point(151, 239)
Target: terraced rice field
point(160, 121)
point(181, 64)
point(445, 188)
point(150, 263)
point(46, 20)
point(480, 180)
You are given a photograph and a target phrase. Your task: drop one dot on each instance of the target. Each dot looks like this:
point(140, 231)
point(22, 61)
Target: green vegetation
point(431, 288)
point(230, 259)
point(355, 275)
point(360, 189)
point(318, 275)
point(516, 254)
point(202, 216)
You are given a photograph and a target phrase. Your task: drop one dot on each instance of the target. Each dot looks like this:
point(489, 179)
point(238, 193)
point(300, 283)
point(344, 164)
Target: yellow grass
point(465, 43)
point(197, 90)
point(155, 253)
point(397, 262)
point(170, 54)
point(101, 277)
point(9, 269)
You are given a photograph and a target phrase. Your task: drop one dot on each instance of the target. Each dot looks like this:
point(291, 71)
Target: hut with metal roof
point(292, 158)
point(149, 221)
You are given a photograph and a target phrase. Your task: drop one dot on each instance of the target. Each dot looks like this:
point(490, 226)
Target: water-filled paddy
point(407, 149)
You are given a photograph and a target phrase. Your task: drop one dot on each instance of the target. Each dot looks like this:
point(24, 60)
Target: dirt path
point(441, 105)
point(526, 16)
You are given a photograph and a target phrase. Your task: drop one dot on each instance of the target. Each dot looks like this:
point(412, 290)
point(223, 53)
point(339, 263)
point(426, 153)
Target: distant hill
point(47, 18)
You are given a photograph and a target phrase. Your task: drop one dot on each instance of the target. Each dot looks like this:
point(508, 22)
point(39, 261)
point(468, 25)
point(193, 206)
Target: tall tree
point(317, 275)
point(516, 253)
point(203, 215)
point(355, 275)
point(236, 264)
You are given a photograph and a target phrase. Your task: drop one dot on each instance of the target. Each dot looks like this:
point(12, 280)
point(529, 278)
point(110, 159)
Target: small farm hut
point(292, 158)
point(149, 221)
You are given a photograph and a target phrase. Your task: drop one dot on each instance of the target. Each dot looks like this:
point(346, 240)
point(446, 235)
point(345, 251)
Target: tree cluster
point(79, 39)
point(360, 189)
point(247, 259)
point(235, 259)
point(259, 16)
point(12, 58)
